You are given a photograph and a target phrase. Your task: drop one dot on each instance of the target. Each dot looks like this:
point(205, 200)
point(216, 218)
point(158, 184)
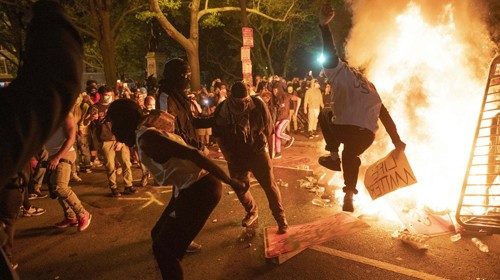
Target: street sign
point(245, 53)
point(247, 67)
point(247, 33)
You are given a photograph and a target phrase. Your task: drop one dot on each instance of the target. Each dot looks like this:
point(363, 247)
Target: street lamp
point(321, 58)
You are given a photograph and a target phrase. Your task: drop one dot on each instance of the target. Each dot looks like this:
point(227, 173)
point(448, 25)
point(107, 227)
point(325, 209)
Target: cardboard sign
point(300, 237)
point(389, 174)
point(247, 67)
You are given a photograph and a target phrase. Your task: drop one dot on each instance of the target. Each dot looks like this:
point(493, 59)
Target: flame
point(426, 71)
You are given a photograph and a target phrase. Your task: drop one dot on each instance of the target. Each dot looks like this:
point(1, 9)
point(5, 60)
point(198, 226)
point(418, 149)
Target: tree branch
point(206, 11)
point(237, 39)
point(120, 20)
point(216, 61)
point(167, 26)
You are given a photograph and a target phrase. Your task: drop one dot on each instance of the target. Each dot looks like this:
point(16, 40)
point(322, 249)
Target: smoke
point(429, 61)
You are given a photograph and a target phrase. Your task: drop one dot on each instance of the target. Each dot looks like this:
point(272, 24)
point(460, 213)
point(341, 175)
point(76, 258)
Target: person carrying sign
point(356, 107)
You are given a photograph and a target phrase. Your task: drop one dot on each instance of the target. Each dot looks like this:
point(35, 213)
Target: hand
point(326, 14)
point(236, 184)
point(52, 163)
point(118, 146)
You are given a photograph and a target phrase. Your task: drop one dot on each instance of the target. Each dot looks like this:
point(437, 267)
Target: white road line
point(379, 264)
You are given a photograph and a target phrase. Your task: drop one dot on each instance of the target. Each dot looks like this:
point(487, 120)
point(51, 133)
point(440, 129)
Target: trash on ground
point(322, 202)
point(282, 183)
point(247, 234)
point(214, 221)
point(305, 184)
point(303, 166)
point(455, 237)
point(230, 192)
point(416, 241)
point(480, 245)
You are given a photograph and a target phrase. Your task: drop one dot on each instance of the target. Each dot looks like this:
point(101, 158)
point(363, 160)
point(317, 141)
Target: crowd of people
point(166, 129)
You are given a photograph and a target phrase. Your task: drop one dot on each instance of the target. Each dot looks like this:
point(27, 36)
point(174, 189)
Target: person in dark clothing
point(353, 121)
point(196, 179)
point(242, 126)
point(173, 99)
point(38, 99)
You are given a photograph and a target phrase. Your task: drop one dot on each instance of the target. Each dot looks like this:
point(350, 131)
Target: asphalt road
point(117, 244)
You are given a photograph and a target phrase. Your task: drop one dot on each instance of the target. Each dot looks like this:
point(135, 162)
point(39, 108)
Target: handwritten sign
point(247, 33)
point(300, 237)
point(389, 174)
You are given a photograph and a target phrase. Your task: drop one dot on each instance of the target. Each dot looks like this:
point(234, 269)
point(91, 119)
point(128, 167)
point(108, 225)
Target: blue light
point(321, 58)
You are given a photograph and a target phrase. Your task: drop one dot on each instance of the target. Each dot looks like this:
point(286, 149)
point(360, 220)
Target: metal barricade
point(479, 204)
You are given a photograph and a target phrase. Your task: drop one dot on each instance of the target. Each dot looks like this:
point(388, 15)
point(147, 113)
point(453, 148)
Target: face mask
point(107, 99)
point(150, 107)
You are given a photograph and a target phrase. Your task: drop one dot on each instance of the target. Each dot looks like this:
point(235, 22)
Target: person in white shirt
point(356, 107)
point(196, 180)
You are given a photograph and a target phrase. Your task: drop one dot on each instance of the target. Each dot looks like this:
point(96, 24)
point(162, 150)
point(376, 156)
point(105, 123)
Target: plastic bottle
point(318, 202)
point(479, 244)
point(456, 237)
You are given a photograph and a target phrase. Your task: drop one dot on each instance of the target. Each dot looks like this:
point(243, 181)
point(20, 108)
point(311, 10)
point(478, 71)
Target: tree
point(191, 43)
point(102, 21)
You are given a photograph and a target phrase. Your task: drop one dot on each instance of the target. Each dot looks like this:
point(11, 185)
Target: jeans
point(279, 133)
point(36, 181)
point(355, 139)
point(312, 119)
point(172, 235)
point(82, 143)
point(59, 181)
point(123, 156)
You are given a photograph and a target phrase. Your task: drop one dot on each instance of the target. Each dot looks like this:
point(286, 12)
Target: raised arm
point(329, 51)
point(161, 149)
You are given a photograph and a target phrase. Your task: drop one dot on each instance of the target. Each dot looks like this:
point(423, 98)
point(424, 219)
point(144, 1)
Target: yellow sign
point(389, 174)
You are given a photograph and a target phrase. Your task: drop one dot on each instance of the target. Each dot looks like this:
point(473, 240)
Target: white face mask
point(107, 99)
point(150, 107)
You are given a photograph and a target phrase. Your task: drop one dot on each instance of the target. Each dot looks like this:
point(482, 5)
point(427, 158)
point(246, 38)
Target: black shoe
point(115, 192)
point(330, 163)
point(130, 190)
point(289, 143)
point(282, 227)
point(348, 205)
point(249, 219)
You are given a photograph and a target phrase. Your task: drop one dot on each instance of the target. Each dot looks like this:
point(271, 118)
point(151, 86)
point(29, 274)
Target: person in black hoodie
point(242, 126)
point(353, 121)
point(34, 105)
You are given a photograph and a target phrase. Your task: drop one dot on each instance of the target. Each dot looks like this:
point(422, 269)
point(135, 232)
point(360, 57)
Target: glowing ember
point(425, 67)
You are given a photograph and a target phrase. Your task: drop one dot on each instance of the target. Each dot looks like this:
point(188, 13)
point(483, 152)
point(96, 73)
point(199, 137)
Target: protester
point(282, 101)
point(195, 179)
point(356, 108)
point(242, 126)
point(61, 156)
point(41, 95)
point(111, 148)
point(313, 103)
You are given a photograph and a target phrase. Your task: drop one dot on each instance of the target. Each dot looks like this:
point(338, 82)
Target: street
point(117, 244)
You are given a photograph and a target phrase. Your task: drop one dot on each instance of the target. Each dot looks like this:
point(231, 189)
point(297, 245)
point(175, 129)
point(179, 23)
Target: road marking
point(150, 200)
point(379, 264)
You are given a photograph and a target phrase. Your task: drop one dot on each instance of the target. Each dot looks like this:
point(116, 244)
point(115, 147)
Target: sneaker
point(348, 206)
point(289, 143)
point(119, 171)
point(330, 163)
point(282, 227)
point(84, 222)
point(75, 177)
point(33, 211)
point(115, 192)
point(67, 223)
point(277, 155)
point(14, 266)
point(130, 190)
point(193, 247)
point(145, 180)
point(88, 170)
point(249, 219)
point(310, 135)
point(96, 163)
point(36, 195)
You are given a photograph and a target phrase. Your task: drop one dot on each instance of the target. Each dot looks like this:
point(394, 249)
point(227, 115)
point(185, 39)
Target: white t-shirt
point(56, 141)
point(177, 172)
point(355, 100)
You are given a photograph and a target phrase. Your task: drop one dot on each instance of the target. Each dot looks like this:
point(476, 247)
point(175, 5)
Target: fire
point(426, 72)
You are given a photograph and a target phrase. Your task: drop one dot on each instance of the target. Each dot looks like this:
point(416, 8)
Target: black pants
point(259, 163)
point(355, 139)
point(172, 235)
point(10, 203)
